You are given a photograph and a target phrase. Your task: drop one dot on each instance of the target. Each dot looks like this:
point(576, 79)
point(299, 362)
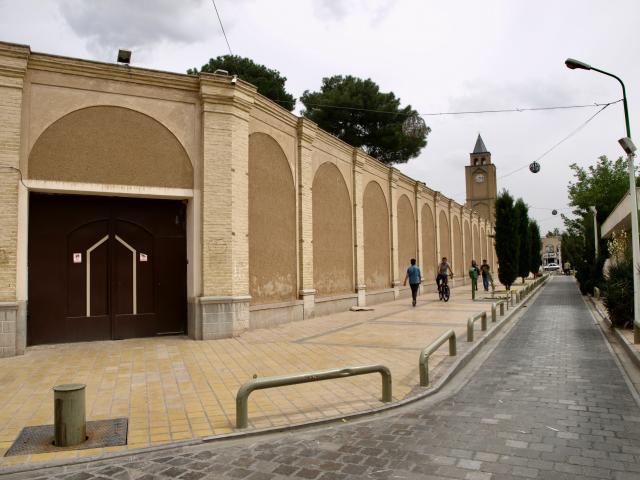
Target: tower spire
point(480, 147)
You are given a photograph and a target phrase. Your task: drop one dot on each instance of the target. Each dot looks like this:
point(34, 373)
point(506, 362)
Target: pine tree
point(535, 246)
point(506, 239)
point(524, 238)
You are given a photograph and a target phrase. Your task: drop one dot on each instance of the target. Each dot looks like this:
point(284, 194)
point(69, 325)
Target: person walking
point(474, 272)
point(485, 270)
point(415, 277)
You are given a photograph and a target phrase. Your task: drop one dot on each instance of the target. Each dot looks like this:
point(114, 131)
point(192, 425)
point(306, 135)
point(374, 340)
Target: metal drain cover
point(100, 433)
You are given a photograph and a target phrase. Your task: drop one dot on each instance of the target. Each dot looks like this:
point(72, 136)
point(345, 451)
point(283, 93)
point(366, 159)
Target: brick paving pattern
point(176, 389)
point(548, 403)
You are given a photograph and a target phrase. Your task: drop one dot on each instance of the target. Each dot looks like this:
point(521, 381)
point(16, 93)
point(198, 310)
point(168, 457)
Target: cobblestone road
point(548, 403)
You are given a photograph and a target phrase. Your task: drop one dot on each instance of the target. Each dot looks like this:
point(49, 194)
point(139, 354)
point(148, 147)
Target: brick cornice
point(219, 92)
point(307, 130)
point(393, 177)
point(13, 60)
point(359, 159)
point(110, 71)
point(272, 109)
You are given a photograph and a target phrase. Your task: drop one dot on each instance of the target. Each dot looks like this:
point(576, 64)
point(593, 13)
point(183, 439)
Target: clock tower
point(481, 181)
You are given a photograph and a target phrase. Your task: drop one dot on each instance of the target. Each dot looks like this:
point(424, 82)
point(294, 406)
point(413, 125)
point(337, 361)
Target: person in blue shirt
point(414, 277)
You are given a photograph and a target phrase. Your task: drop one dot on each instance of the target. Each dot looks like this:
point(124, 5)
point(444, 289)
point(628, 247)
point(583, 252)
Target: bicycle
point(443, 290)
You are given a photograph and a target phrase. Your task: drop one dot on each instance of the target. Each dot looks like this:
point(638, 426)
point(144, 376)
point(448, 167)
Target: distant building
point(550, 251)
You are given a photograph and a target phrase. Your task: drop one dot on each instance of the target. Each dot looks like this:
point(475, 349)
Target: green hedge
point(618, 293)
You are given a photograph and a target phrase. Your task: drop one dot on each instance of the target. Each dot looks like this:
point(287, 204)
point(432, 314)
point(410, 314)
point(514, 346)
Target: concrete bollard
point(501, 309)
point(494, 308)
point(596, 293)
point(70, 426)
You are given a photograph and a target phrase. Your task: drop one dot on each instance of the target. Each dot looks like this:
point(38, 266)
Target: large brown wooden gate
point(105, 268)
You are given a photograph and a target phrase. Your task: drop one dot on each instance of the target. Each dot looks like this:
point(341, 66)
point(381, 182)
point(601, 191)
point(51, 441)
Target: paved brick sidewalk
point(548, 403)
point(174, 389)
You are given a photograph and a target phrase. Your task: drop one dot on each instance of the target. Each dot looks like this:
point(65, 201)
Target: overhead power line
point(465, 112)
point(584, 124)
point(222, 26)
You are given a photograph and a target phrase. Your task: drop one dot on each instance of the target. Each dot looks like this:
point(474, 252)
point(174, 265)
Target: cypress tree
point(524, 238)
point(536, 245)
point(506, 239)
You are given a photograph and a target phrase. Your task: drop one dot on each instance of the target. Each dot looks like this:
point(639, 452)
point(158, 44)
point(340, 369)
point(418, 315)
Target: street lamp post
point(595, 228)
point(629, 148)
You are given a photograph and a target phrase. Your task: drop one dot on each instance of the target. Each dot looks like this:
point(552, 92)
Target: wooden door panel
point(87, 270)
point(93, 299)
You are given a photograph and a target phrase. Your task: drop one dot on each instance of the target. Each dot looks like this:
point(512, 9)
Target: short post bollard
point(501, 309)
point(494, 309)
point(70, 425)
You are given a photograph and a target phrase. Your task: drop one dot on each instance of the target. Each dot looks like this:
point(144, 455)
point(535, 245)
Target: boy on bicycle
point(443, 272)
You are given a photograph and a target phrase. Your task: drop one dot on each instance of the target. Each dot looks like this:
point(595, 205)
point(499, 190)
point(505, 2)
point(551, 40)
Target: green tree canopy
point(523, 238)
point(601, 185)
point(506, 239)
point(535, 245)
point(269, 82)
point(356, 111)
point(572, 249)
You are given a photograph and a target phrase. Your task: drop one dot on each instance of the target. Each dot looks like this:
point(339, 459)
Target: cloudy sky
point(437, 56)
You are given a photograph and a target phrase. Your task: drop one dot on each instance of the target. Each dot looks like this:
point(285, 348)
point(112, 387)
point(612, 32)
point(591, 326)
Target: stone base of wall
point(270, 315)
point(223, 317)
point(8, 328)
point(337, 304)
point(403, 292)
point(380, 296)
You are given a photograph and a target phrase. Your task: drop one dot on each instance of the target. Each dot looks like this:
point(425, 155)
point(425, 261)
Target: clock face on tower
point(479, 178)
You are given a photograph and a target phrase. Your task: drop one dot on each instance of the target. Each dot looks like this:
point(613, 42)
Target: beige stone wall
point(332, 233)
point(279, 211)
point(376, 238)
point(272, 223)
point(445, 236)
point(429, 259)
point(110, 145)
point(406, 234)
point(476, 244)
point(458, 252)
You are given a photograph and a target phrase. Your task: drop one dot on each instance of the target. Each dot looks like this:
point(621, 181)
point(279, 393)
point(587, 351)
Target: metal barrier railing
point(483, 318)
point(494, 309)
point(242, 397)
point(424, 355)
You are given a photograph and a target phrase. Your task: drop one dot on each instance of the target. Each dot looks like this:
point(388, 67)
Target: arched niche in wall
point(476, 245)
point(468, 248)
point(457, 247)
point(428, 244)
point(445, 237)
point(376, 238)
point(483, 246)
point(110, 145)
point(272, 223)
point(406, 235)
point(332, 237)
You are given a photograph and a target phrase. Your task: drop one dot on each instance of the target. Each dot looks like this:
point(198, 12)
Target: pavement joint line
point(454, 368)
point(379, 318)
point(625, 375)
